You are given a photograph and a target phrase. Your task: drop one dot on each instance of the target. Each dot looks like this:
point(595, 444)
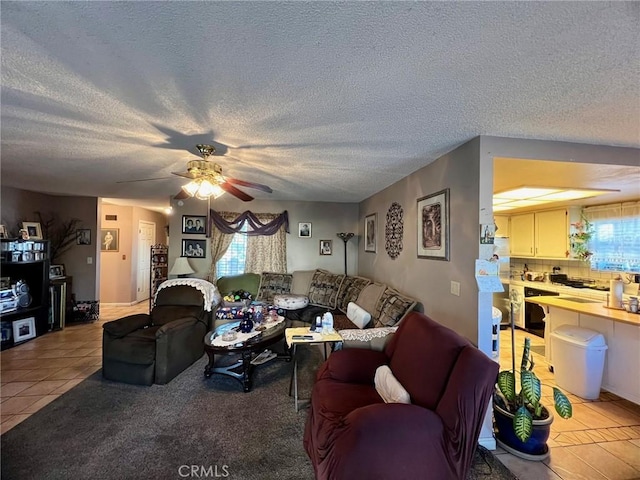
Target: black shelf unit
point(24, 262)
point(159, 269)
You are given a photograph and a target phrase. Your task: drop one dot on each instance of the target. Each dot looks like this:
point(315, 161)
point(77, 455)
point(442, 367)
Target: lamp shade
point(181, 267)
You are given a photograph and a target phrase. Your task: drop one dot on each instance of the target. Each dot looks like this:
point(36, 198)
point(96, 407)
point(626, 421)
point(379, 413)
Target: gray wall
point(427, 280)
point(19, 205)
point(327, 220)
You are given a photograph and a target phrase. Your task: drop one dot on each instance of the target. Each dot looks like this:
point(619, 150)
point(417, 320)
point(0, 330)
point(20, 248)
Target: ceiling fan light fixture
point(191, 188)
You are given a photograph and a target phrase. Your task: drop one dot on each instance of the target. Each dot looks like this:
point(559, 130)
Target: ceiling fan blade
point(143, 180)
point(181, 195)
point(258, 186)
point(185, 174)
point(234, 191)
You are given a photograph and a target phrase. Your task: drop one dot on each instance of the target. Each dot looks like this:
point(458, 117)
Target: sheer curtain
point(219, 244)
point(267, 253)
point(616, 236)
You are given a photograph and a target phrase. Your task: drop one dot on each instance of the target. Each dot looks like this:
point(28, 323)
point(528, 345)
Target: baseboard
point(488, 442)
point(130, 304)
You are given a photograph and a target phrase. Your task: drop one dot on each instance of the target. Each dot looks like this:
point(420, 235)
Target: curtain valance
point(256, 227)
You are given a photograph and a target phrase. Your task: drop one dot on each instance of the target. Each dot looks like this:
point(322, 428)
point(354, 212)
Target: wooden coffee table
point(243, 368)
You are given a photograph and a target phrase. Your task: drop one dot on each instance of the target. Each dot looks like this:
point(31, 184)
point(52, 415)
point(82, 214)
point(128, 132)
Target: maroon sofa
point(351, 433)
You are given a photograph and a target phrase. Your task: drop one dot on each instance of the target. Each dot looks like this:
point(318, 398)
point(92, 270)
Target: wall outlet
point(89, 260)
point(455, 288)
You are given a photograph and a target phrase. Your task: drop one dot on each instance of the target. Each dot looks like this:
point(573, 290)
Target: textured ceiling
point(321, 101)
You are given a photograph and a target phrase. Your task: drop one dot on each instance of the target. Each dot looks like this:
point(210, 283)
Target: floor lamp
point(345, 238)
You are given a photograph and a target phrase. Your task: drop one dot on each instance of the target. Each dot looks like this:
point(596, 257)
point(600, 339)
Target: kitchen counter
point(594, 309)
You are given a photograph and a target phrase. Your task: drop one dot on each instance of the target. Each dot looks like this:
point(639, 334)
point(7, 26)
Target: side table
point(303, 336)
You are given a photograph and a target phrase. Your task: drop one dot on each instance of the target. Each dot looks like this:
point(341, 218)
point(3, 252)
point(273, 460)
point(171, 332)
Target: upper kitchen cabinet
point(521, 239)
point(543, 234)
point(502, 225)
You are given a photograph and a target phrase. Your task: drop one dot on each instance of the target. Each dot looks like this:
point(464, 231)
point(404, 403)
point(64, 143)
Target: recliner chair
point(153, 348)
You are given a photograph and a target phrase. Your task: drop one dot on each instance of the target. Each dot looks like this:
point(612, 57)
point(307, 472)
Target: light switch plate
point(89, 260)
point(455, 288)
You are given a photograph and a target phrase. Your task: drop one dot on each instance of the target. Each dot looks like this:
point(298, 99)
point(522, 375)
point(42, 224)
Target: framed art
point(109, 239)
point(56, 271)
point(326, 247)
point(433, 226)
point(370, 228)
point(194, 248)
point(34, 230)
point(24, 329)
point(194, 224)
point(83, 236)
point(304, 229)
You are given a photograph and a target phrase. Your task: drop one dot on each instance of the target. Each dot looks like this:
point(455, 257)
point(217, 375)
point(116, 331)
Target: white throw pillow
point(388, 386)
point(358, 315)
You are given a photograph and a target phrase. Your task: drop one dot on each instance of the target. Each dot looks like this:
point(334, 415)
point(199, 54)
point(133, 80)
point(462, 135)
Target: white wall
point(327, 220)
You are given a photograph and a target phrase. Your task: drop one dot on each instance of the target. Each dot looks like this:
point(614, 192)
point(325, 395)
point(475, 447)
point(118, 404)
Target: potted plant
point(522, 422)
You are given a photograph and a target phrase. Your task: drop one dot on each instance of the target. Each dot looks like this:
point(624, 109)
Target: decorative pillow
point(349, 291)
point(358, 315)
point(324, 288)
point(388, 386)
point(392, 307)
point(301, 281)
point(369, 296)
point(272, 284)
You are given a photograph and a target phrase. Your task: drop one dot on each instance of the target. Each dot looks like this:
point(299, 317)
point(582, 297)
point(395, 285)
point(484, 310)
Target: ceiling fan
point(207, 179)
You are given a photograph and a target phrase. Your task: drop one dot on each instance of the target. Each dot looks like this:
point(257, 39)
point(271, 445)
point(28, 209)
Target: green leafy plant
point(579, 239)
point(525, 405)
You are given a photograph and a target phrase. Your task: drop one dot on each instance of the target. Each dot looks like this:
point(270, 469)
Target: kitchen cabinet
point(522, 235)
point(502, 225)
point(543, 234)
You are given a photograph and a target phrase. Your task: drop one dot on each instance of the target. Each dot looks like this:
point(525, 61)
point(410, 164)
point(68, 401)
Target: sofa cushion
point(388, 386)
point(369, 296)
point(392, 307)
point(349, 291)
point(248, 282)
point(272, 284)
point(301, 281)
point(358, 315)
point(324, 288)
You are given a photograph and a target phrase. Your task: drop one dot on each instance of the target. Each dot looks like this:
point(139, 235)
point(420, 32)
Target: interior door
point(146, 238)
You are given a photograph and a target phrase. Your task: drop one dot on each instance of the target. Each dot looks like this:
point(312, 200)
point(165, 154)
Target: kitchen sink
point(580, 300)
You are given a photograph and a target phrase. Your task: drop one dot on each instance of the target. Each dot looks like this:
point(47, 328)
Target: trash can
point(578, 360)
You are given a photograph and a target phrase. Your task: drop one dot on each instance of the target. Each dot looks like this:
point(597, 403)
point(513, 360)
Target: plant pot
point(535, 448)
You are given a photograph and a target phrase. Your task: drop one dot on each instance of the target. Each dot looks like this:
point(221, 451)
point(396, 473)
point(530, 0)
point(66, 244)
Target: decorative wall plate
point(394, 230)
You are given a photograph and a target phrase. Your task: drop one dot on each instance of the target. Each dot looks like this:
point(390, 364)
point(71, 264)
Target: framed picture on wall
point(433, 226)
point(326, 247)
point(83, 236)
point(304, 229)
point(194, 248)
point(109, 239)
point(370, 225)
point(194, 224)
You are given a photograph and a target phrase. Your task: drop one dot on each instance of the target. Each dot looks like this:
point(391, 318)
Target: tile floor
point(39, 371)
point(601, 441)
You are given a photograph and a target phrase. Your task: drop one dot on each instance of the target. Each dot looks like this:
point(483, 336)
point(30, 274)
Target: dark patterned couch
point(332, 292)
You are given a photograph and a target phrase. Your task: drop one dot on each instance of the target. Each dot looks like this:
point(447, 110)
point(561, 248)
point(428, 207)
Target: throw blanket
point(209, 290)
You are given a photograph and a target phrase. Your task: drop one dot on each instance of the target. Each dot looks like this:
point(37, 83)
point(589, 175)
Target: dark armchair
point(153, 348)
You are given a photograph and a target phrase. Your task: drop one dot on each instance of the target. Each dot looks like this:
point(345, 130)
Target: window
point(233, 261)
point(615, 242)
